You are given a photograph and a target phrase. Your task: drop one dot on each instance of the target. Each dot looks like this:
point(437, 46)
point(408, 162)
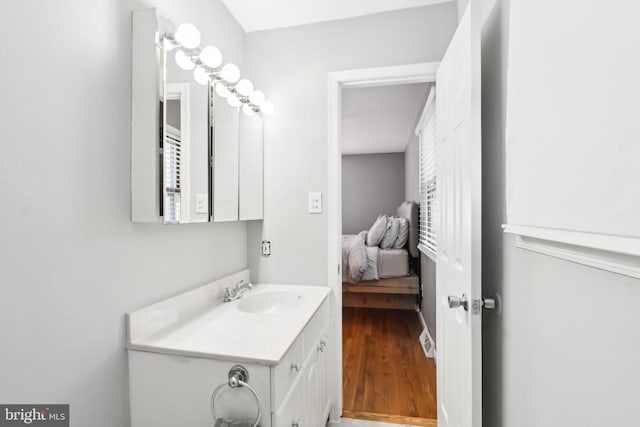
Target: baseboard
point(427, 342)
point(394, 419)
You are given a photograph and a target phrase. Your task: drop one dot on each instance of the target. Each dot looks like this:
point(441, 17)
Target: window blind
point(172, 176)
point(428, 183)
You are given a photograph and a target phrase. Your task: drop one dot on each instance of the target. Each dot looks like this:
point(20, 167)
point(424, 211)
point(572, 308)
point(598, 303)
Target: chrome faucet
point(232, 294)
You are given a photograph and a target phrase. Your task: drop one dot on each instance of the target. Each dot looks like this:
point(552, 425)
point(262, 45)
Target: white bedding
point(351, 262)
point(393, 263)
point(380, 263)
point(372, 272)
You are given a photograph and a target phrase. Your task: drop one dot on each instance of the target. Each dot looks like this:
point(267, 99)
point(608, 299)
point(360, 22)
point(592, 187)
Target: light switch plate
point(315, 203)
point(201, 203)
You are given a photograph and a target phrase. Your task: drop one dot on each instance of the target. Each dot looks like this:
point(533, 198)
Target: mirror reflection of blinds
point(427, 156)
point(172, 176)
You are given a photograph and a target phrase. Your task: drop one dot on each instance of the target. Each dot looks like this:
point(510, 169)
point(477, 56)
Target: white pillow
point(377, 231)
point(403, 234)
point(391, 235)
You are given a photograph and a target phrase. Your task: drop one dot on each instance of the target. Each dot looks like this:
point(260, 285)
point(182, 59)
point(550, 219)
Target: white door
point(459, 335)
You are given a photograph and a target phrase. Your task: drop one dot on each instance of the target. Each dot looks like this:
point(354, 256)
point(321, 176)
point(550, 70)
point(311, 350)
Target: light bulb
point(184, 61)
point(256, 98)
point(266, 107)
point(246, 109)
point(168, 45)
point(188, 35)
point(211, 57)
point(222, 90)
point(230, 73)
point(201, 76)
point(244, 87)
point(233, 100)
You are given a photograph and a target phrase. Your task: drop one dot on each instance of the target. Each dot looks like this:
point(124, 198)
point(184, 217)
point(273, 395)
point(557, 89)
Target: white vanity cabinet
point(182, 349)
point(299, 383)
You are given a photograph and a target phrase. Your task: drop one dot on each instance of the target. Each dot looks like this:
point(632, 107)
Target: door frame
point(364, 77)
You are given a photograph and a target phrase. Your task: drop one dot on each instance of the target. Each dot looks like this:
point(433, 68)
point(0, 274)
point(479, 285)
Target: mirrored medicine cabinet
point(194, 158)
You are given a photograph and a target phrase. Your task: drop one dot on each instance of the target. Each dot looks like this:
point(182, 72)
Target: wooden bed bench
point(396, 292)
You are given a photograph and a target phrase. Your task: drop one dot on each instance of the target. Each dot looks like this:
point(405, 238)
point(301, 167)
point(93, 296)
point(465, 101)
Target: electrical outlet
point(266, 248)
point(202, 203)
point(315, 203)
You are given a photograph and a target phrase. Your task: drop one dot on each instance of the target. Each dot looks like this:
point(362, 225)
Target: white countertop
point(220, 330)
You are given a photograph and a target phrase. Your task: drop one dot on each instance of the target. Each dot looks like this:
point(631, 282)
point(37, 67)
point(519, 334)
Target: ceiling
point(269, 14)
point(381, 119)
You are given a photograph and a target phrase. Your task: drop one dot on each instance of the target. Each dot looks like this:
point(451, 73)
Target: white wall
point(71, 261)
point(462, 5)
point(292, 66)
point(565, 351)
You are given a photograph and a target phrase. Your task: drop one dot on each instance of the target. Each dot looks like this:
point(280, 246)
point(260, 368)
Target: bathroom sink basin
point(270, 302)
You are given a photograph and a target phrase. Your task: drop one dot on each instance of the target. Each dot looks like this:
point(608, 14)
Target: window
point(172, 175)
point(427, 140)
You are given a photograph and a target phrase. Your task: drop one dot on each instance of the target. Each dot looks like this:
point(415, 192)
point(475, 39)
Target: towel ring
point(238, 377)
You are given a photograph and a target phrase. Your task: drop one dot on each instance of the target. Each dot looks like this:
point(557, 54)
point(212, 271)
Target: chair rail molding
point(617, 254)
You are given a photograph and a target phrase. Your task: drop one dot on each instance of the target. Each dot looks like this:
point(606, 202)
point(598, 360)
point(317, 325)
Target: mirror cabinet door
point(185, 145)
point(251, 168)
point(192, 160)
point(225, 161)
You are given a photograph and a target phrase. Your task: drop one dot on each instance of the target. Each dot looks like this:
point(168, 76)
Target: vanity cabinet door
point(292, 411)
point(313, 386)
point(315, 375)
point(324, 400)
point(287, 371)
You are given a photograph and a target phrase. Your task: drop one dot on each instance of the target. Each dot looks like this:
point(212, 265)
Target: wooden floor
point(386, 376)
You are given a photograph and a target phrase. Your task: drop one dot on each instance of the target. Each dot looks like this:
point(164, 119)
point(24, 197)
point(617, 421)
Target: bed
point(390, 279)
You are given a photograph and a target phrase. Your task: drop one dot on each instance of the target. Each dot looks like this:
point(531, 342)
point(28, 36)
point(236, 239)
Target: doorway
point(372, 337)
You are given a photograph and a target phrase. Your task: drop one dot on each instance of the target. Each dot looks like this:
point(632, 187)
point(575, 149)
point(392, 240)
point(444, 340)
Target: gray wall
point(372, 184)
point(428, 282)
point(173, 112)
point(565, 350)
point(292, 66)
point(71, 262)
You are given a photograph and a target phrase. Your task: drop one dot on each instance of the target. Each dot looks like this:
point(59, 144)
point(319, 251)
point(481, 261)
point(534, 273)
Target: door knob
point(457, 302)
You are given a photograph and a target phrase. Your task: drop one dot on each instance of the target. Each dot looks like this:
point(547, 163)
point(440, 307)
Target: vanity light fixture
point(188, 36)
point(211, 57)
point(207, 67)
point(230, 73)
point(184, 61)
point(244, 87)
point(221, 90)
point(248, 110)
point(201, 76)
point(256, 98)
point(233, 100)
